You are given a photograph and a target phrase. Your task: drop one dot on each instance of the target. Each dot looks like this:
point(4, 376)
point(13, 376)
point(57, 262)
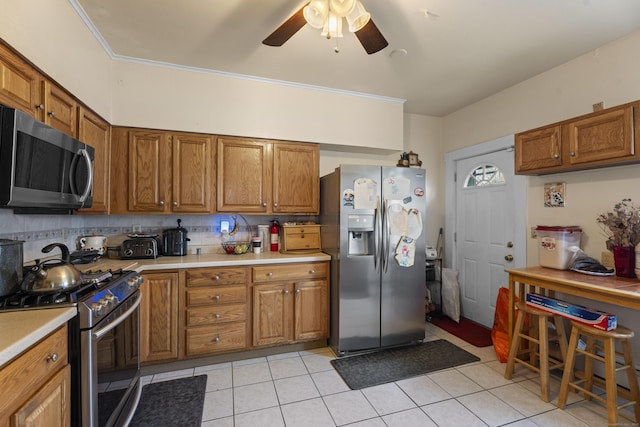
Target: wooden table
point(620, 291)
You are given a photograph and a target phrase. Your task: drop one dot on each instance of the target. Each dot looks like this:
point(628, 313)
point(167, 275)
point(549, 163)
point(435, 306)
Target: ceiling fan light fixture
point(332, 26)
point(342, 7)
point(315, 13)
point(357, 17)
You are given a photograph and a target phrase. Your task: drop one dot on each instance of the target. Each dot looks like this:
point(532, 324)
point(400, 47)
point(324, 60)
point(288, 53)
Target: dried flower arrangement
point(622, 225)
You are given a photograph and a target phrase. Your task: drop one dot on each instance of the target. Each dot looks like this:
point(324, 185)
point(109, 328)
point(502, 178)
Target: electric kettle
point(175, 241)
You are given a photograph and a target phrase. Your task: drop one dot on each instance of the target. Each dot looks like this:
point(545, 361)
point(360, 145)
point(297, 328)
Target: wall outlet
point(224, 226)
point(606, 259)
point(598, 106)
point(136, 228)
point(534, 233)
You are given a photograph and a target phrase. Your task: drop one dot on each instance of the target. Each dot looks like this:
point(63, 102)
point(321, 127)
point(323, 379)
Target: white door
point(487, 211)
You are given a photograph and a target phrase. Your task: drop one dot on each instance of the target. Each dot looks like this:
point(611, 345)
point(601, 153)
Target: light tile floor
point(302, 389)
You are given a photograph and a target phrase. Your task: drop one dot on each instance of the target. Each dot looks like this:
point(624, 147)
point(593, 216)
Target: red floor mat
point(470, 331)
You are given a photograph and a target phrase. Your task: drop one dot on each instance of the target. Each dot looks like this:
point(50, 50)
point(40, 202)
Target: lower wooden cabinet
point(215, 314)
point(37, 385)
point(290, 303)
point(159, 317)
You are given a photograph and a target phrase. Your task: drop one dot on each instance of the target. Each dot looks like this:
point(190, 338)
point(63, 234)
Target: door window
point(484, 175)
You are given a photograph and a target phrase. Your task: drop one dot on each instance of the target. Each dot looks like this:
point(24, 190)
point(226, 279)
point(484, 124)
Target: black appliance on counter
point(104, 392)
point(175, 241)
point(140, 248)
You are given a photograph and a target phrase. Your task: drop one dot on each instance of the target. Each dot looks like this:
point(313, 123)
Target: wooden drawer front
point(212, 339)
point(218, 314)
point(276, 273)
point(33, 368)
point(216, 276)
point(216, 295)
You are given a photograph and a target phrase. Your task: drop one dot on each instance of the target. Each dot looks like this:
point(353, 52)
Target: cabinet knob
point(269, 274)
point(275, 205)
point(51, 113)
point(312, 272)
point(217, 316)
point(52, 358)
point(572, 153)
point(216, 339)
point(264, 205)
point(216, 278)
point(40, 107)
point(298, 291)
point(217, 297)
point(161, 203)
point(556, 156)
point(286, 291)
point(175, 204)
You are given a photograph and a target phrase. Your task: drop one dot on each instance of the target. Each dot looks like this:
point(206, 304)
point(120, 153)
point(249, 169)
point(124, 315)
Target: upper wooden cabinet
point(262, 177)
point(606, 138)
point(19, 83)
point(95, 132)
point(58, 109)
point(161, 172)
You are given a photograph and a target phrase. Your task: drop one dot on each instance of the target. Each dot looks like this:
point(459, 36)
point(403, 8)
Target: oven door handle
point(100, 332)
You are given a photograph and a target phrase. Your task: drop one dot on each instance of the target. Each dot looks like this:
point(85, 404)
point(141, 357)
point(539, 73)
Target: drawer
point(280, 272)
point(216, 276)
point(29, 371)
point(218, 314)
point(214, 295)
point(213, 339)
point(301, 239)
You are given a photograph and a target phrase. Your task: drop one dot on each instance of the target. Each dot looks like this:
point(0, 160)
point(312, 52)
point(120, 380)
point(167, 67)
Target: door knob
point(508, 258)
point(509, 244)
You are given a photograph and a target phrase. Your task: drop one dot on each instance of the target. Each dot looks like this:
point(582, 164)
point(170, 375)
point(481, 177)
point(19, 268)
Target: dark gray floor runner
point(171, 403)
point(399, 363)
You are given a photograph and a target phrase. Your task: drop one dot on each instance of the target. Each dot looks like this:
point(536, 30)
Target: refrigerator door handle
point(385, 236)
point(377, 224)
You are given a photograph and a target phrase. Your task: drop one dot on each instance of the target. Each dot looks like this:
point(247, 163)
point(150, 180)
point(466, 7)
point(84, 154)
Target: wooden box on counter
point(300, 239)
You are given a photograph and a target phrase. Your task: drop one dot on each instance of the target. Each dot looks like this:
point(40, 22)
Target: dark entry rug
point(399, 363)
point(171, 403)
point(468, 330)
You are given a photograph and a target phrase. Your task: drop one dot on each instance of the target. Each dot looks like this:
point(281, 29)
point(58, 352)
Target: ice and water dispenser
point(361, 237)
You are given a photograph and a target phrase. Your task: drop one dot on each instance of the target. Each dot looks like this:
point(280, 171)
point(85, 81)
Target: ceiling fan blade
point(371, 38)
point(285, 31)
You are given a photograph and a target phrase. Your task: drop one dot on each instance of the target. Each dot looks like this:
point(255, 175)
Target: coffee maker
point(175, 241)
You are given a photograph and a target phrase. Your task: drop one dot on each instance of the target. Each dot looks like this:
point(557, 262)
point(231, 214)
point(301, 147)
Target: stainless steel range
point(103, 344)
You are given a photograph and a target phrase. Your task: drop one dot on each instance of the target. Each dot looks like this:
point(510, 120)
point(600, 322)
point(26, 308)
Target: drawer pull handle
point(216, 339)
point(217, 316)
point(217, 297)
point(52, 358)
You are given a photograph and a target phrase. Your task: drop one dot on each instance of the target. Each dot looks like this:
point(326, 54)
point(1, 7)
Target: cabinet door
point(193, 186)
point(149, 171)
point(296, 178)
point(311, 310)
point(95, 132)
point(272, 314)
point(243, 175)
point(60, 109)
point(159, 317)
point(49, 406)
point(538, 149)
point(602, 137)
point(19, 82)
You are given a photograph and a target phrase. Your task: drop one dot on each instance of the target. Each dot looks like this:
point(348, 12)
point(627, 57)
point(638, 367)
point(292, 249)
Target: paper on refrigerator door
point(396, 188)
point(405, 251)
point(398, 219)
point(414, 223)
point(365, 191)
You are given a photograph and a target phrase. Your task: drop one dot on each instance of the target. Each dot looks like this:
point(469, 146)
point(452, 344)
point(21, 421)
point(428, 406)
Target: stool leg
point(568, 368)
point(515, 344)
point(610, 379)
point(631, 377)
point(562, 337)
point(588, 365)
point(543, 348)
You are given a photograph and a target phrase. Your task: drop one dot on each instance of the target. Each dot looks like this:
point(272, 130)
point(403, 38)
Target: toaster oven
point(139, 248)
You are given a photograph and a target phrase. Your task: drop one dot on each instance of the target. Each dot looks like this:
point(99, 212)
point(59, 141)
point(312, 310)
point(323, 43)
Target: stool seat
point(584, 383)
point(538, 349)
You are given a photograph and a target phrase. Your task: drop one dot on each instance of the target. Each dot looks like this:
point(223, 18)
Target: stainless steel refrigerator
point(372, 226)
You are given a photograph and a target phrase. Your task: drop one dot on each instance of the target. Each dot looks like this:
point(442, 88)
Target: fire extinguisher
point(275, 235)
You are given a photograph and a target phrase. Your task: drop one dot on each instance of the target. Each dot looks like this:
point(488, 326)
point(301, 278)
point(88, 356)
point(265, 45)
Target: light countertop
point(19, 330)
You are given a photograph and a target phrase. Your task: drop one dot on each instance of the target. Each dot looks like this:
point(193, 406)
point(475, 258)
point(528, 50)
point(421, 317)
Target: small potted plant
point(622, 228)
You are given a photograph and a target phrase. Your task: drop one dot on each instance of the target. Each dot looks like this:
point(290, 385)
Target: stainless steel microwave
point(42, 170)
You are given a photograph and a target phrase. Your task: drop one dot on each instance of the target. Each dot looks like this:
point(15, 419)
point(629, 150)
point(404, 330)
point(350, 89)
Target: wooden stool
point(538, 348)
point(608, 340)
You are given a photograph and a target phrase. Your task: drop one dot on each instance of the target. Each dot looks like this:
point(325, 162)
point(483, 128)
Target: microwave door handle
point(87, 190)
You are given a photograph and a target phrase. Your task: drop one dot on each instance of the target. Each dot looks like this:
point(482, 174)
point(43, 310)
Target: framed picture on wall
point(554, 195)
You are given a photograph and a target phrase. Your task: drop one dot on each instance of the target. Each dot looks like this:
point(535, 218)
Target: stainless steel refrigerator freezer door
point(403, 288)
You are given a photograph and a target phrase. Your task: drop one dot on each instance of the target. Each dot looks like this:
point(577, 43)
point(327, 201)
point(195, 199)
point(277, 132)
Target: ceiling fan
point(328, 15)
